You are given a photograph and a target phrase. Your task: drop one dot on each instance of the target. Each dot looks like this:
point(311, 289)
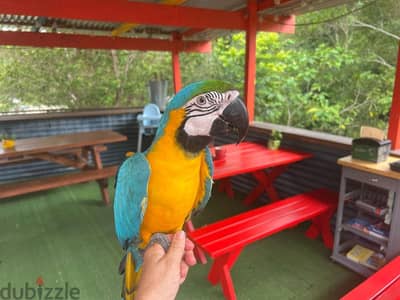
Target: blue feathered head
point(208, 109)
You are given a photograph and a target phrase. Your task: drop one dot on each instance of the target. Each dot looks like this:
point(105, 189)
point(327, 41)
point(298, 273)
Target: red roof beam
point(57, 40)
point(122, 11)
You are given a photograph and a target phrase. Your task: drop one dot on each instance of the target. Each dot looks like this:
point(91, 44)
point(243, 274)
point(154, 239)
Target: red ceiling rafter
point(127, 12)
point(54, 40)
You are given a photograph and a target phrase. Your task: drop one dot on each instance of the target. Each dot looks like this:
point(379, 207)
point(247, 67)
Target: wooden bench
point(224, 240)
point(45, 183)
point(382, 285)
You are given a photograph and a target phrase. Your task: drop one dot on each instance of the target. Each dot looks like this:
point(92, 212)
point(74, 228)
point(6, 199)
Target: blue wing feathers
point(131, 198)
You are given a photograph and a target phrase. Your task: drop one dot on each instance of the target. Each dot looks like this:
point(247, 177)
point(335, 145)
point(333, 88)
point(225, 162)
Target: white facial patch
point(202, 110)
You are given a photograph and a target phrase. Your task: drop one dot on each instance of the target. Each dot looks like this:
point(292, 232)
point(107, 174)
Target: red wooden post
point(214, 276)
point(250, 69)
point(321, 225)
point(176, 66)
point(394, 119)
point(327, 236)
point(227, 260)
point(176, 71)
point(227, 284)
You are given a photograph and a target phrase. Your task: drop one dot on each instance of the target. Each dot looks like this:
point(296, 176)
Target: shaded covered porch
point(69, 227)
point(56, 234)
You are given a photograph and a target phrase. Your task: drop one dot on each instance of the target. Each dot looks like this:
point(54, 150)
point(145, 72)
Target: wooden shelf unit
point(365, 181)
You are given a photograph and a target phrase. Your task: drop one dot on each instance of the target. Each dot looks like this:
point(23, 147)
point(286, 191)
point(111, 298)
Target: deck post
point(176, 66)
point(394, 118)
point(250, 67)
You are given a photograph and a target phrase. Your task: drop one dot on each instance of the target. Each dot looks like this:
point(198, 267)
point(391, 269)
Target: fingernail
point(180, 234)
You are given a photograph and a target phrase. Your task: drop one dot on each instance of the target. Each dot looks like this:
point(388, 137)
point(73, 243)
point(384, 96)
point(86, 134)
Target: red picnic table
point(249, 157)
point(253, 158)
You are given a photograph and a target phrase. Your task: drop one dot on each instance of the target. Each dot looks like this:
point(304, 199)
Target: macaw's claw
point(160, 238)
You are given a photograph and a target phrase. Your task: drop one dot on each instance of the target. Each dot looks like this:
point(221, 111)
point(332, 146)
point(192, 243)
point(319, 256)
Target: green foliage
point(327, 77)
point(73, 78)
point(330, 76)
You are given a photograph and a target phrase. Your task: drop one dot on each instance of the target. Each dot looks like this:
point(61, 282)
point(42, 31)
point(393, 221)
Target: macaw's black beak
point(234, 119)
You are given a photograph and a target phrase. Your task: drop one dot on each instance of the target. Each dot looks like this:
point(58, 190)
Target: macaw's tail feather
point(121, 268)
point(131, 278)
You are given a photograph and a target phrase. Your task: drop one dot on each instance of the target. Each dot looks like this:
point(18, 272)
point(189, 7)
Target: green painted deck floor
point(66, 236)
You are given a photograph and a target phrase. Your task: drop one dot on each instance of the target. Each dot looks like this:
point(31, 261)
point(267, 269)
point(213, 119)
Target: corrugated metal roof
point(47, 24)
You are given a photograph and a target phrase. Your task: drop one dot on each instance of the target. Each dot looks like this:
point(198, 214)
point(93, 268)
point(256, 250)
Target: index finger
point(189, 245)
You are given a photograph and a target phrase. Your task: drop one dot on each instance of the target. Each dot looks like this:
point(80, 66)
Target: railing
point(70, 113)
point(36, 125)
point(319, 171)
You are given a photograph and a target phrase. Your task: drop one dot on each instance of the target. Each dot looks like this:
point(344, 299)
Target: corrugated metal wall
point(319, 171)
point(123, 123)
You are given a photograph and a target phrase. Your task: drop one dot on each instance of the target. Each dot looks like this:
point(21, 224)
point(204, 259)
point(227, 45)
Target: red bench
point(383, 285)
point(224, 240)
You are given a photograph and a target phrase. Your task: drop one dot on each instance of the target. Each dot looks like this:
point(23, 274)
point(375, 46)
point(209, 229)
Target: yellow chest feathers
point(176, 184)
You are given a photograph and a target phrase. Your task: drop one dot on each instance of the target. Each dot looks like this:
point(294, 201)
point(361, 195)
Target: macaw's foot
point(160, 238)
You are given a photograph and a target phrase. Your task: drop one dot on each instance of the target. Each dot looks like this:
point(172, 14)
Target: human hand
point(163, 273)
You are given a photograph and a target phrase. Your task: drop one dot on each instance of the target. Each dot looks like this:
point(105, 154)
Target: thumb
point(177, 248)
point(154, 253)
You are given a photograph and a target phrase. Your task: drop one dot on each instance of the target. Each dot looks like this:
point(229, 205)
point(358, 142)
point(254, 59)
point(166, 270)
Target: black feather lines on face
point(191, 144)
point(203, 105)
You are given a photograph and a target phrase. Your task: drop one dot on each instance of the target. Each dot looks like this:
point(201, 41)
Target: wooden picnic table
point(70, 150)
point(253, 158)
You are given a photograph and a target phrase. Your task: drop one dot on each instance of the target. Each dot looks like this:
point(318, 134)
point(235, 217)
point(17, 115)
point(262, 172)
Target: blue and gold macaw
point(158, 190)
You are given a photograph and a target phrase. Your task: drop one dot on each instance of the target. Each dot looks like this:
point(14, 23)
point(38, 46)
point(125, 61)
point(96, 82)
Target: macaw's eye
point(201, 101)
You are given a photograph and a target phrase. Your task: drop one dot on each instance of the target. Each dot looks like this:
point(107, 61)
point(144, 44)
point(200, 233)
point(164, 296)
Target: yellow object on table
point(129, 154)
point(8, 143)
